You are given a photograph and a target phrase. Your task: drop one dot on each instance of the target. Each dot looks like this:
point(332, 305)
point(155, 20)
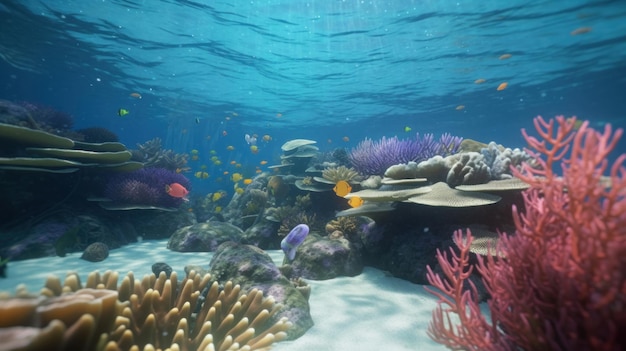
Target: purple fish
point(291, 242)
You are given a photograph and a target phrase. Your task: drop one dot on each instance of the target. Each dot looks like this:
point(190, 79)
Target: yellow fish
point(247, 181)
point(122, 112)
point(342, 188)
point(218, 209)
point(239, 191)
point(201, 175)
point(355, 201)
point(216, 196)
point(236, 177)
point(407, 129)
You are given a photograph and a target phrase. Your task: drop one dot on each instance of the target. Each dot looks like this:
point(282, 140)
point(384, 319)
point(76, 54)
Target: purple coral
point(145, 187)
point(374, 157)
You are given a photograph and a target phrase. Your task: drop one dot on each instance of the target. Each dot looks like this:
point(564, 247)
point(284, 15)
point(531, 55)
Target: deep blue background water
point(320, 70)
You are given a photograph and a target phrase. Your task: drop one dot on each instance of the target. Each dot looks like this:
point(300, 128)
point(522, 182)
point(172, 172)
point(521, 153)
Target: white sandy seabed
point(372, 311)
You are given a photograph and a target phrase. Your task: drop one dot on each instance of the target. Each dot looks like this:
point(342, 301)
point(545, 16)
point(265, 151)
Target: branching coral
point(562, 283)
point(346, 225)
point(151, 314)
point(335, 174)
point(152, 154)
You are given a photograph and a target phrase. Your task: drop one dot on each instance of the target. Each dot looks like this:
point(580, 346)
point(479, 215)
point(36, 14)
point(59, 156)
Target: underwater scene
point(312, 175)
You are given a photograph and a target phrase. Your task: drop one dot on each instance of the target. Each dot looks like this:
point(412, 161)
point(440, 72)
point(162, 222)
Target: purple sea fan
point(146, 187)
point(374, 157)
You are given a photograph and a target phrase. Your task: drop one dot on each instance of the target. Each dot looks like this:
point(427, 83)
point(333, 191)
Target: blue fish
point(291, 242)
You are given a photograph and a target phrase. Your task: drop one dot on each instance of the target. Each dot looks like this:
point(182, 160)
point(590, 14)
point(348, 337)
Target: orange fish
point(263, 162)
point(342, 188)
point(176, 190)
point(355, 201)
point(247, 181)
point(460, 107)
point(258, 171)
point(505, 56)
point(479, 81)
point(135, 95)
point(581, 30)
point(233, 162)
point(502, 86)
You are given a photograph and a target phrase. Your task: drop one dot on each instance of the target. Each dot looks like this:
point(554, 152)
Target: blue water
point(323, 70)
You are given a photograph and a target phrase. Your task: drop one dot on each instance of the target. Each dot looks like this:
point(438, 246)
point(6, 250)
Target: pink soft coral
point(562, 282)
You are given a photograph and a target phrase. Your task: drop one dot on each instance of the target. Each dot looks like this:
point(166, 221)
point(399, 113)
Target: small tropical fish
point(216, 196)
point(407, 129)
point(581, 30)
point(230, 148)
point(217, 162)
point(342, 188)
point(263, 162)
point(330, 141)
point(479, 81)
point(505, 56)
point(176, 190)
point(195, 157)
point(239, 191)
point(254, 149)
point(279, 115)
point(502, 86)
point(236, 177)
point(267, 138)
point(135, 95)
point(224, 133)
point(201, 175)
point(213, 152)
point(214, 158)
point(346, 139)
point(233, 162)
point(294, 239)
point(218, 209)
point(183, 169)
point(238, 165)
point(355, 201)
point(197, 120)
point(460, 107)
point(203, 167)
point(225, 173)
point(247, 181)
point(122, 112)
point(194, 152)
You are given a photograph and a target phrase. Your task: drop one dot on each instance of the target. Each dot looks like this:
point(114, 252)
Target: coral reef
point(335, 174)
point(152, 154)
point(156, 313)
point(500, 159)
point(562, 284)
point(145, 187)
point(97, 135)
point(374, 157)
point(252, 268)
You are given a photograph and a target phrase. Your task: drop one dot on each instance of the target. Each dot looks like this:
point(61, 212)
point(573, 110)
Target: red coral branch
point(562, 283)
